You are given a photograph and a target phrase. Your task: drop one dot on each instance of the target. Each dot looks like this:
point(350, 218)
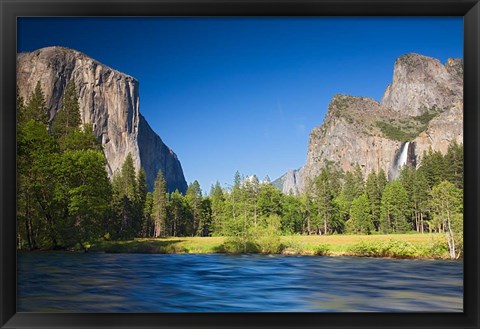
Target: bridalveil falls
point(406, 155)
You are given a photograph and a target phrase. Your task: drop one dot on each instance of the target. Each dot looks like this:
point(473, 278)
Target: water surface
point(99, 282)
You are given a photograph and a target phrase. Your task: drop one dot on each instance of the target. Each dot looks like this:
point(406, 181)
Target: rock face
point(109, 100)
point(423, 105)
point(291, 182)
point(421, 83)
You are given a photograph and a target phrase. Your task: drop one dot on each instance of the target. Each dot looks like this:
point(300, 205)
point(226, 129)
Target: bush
point(322, 250)
point(395, 249)
point(401, 249)
point(238, 246)
point(437, 249)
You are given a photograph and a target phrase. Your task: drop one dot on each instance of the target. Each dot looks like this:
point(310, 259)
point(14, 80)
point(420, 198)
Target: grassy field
point(392, 245)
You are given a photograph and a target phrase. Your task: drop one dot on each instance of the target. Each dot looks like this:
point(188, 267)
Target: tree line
point(66, 199)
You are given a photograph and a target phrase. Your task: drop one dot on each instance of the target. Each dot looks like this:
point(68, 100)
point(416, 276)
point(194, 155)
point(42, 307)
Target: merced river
point(100, 282)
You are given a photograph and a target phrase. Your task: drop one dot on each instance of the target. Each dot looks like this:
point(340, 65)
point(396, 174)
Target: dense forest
point(66, 199)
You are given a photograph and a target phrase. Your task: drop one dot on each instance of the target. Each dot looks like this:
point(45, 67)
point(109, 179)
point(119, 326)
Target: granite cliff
point(109, 100)
point(421, 108)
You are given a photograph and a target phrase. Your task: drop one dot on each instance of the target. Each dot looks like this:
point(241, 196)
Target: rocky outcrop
point(290, 182)
point(109, 100)
point(423, 105)
point(421, 83)
point(348, 136)
point(441, 131)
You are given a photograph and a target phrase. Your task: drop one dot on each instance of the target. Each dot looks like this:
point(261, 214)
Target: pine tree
point(291, 220)
point(447, 209)
point(420, 199)
point(86, 190)
point(148, 224)
point(269, 201)
point(159, 206)
point(360, 217)
point(141, 196)
point(394, 208)
point(374, 194)
point(67, 118)
point(125, 199)
point(21, 115)
point(218, 208)
point(36, 108)
point(327, 187)
point(433, 167)
point(407, 179)
point(454, 164)
point(178, 212)
point(194, 201)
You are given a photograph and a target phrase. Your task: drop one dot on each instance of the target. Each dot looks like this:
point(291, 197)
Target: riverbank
point(423, 246)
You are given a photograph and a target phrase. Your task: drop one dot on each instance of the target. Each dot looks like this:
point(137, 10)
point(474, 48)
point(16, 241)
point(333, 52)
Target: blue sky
point(230, 94)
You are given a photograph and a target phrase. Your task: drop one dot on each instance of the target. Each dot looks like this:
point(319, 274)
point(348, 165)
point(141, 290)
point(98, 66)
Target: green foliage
point(454, 164)
point(394, 207)
point(396, 133)
point(159, 206)
point(68, 116)
point(447, 209)
point(86, 191)
point(269, 201)
point(407, 129)
point(128, 202)
point(292, 216)
point(63, 188)
point(65, 199)
point(36, 108)
point(178, 215)
point(433, 166)
point(360, 217)
point(426, 117)
point(79, 139)
point(374, 189)
point(194, 201)
point(326, 187)
point(322, 250)
point(392, 248)
point(217, 205)
point(267, 237)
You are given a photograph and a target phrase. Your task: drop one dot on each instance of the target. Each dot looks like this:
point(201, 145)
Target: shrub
point(322, 250)
point(396, 249)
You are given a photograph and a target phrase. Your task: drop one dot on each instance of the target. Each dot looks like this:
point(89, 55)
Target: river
point(100, 282)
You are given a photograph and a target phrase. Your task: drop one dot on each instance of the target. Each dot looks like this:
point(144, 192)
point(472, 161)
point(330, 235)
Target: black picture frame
point(10, 10)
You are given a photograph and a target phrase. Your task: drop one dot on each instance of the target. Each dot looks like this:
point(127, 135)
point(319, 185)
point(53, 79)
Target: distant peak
point(414, 61)
point(69, 54)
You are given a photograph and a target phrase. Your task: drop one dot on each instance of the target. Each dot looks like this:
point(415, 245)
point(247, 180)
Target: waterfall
point(400, 160)
point(403, 156)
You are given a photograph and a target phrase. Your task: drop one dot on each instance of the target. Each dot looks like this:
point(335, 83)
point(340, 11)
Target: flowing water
point(399, 161)
point(99, 282)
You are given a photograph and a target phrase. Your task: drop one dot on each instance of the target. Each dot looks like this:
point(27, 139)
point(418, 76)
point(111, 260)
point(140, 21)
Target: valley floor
point(428, 245)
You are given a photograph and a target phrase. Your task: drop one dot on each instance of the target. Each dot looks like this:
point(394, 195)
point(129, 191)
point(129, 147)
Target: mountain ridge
point(423, 105)
point(109, 100)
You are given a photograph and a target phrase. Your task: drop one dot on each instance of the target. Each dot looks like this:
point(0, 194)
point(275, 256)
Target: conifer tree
point(218, 208)
point(327, 187)
point(68, 117)
point(36, 108)
point(194, 201)
point(447, 209)
point(433, 167)
point(159, 206)
point(178, 214)
point(360, 217)
point(394, 208)
point(454, 164)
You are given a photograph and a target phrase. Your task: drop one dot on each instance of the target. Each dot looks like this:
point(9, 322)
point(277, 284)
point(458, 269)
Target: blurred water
point(98, 282)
